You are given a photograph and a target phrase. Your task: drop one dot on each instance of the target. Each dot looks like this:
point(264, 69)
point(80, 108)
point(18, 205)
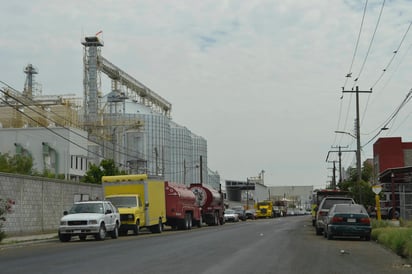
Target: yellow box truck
point(140, 200)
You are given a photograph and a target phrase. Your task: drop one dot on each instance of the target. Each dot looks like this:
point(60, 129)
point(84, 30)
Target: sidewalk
point(28, 238)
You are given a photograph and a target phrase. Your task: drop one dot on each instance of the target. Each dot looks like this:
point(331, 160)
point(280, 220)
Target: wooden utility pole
point(340, 161)
point(201, 170)
point(358, 146)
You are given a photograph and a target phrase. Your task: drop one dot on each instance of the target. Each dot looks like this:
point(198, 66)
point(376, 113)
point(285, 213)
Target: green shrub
point(398, 239)
point(381, 223)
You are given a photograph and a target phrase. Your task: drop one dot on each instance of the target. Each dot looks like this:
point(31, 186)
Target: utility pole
point(201, 170)
point(358, 146)
point(184, 171)
point(333, 182)
point(340, 161)
point(334, 176)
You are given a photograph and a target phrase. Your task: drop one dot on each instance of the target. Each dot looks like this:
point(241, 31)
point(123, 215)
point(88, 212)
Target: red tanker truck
point(211, 201)
point(182, 209)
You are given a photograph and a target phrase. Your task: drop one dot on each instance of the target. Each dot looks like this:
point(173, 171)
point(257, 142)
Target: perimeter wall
point(39, 202)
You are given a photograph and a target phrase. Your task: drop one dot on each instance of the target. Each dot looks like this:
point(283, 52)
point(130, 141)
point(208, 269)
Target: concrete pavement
point(28, 238)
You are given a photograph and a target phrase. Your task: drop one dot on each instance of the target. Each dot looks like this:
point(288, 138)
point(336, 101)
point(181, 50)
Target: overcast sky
point(261, 81)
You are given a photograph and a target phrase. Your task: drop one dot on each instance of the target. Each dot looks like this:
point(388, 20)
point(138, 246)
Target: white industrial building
point(130, 124)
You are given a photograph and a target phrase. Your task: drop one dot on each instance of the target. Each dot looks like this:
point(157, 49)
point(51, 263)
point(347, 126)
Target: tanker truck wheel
point(216, 221)
point(199, 223)
point(189, 221)
point(183, 223)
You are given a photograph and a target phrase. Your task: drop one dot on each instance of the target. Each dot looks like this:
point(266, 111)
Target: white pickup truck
point(95, 218)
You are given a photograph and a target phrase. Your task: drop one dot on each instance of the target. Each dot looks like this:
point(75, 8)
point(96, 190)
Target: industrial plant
point(130, 124)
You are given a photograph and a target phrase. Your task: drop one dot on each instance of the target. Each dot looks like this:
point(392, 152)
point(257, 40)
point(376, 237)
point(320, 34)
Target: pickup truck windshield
point(87, 208)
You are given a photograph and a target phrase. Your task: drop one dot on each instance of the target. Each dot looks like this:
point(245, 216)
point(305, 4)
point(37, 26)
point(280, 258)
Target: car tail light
point(337, 220)
point(364, 220)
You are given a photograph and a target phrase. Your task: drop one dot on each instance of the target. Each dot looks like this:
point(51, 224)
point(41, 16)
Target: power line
point(395, 52)
point(370, 44)
point(349, 74)
point(393, 116)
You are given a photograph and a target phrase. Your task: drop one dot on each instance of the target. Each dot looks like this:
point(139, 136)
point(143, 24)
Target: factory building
point(130, 124)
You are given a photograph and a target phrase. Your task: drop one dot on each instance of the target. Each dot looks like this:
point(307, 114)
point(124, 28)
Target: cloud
point(260, 80)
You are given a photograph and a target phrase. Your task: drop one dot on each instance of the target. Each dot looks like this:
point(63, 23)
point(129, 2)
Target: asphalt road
point(281, 245)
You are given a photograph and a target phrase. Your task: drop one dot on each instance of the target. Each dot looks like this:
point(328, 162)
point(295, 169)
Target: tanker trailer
point(211, 201)
point(182, 209)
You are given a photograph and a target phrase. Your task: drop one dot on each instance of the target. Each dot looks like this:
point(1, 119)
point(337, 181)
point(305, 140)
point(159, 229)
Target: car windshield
point(87, 208)
point(124, 201)
point(330, 202)
point(229, 211)
point(350, 209)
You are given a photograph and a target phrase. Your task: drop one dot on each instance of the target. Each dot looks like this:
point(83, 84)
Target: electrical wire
point(370, 45)
point(395, 53)
point(349, 74)
point(393, 116)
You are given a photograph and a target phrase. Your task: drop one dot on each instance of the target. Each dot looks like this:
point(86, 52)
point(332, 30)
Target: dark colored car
point(323, 210)
point(241, 212)
point(348, 220)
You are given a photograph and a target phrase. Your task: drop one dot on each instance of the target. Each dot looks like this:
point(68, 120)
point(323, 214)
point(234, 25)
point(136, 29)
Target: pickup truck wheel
point(102, 233)
point(136, 229)
point(115, 232)
point(64, 237)
point(318, 231)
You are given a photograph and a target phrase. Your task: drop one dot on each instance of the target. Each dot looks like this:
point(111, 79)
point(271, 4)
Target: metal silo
point(181, 155)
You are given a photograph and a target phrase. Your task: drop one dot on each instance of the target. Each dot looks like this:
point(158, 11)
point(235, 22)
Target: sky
point(260, 80)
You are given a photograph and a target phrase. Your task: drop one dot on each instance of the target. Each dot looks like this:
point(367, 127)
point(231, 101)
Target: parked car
point(251, 214)
point(323, 210)
point(348, 220)
point(241, 212)
point(95, 218)
point(231, 216)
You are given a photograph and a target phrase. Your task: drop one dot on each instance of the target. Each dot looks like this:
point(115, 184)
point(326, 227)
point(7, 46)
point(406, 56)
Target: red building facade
point(391, 152)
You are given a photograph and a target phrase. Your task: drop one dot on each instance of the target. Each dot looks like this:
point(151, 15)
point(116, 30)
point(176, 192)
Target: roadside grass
point(397, 237)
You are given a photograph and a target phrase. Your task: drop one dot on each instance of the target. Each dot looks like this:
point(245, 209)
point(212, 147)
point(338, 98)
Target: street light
point(344, 132)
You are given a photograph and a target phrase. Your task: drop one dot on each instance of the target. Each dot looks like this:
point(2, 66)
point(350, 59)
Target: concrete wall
point(40, 202)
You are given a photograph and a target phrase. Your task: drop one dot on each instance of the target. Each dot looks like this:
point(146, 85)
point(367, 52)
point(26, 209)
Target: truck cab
point(264, 209)
point(131, 211)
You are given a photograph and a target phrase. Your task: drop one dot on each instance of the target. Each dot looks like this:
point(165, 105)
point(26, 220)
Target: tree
point(363, 189)
point(94, 175)
point(21, 164)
